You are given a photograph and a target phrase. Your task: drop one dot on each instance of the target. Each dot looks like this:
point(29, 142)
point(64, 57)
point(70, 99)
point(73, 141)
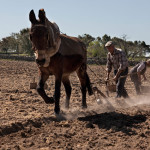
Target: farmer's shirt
point(140, 67)
point(118, 60)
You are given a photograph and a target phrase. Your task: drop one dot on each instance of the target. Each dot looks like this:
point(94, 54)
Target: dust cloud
point(105, 105)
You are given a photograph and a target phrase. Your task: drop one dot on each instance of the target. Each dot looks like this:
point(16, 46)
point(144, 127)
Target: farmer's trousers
point(120, 89)
point(137, 84)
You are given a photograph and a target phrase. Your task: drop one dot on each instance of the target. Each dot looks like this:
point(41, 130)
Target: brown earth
point(26, 122)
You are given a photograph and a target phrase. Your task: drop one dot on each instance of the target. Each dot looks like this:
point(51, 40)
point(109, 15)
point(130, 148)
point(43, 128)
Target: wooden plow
point(96, 90)
point(110, 84)
point(33, 84)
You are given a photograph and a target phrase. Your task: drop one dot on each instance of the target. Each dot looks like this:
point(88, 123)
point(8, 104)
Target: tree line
point(96, 46)
point(19, 43)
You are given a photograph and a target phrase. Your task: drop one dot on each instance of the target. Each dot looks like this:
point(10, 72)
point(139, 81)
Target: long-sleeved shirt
point(118, 60)
point(140, 67)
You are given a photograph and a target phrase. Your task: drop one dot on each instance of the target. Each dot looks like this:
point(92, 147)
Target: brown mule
point(59, 55)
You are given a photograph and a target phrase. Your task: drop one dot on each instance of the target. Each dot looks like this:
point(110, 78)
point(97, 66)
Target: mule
point(59, 55)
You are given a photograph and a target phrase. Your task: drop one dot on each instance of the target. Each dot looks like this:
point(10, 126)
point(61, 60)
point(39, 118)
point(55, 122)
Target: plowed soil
point(27, 123)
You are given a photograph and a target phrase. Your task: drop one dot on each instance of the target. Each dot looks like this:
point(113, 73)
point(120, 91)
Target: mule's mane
point(38, 29)
point(53, 29)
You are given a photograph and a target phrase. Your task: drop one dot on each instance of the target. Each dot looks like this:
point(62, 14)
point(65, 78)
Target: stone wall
point(11, 57)
point(90, 61)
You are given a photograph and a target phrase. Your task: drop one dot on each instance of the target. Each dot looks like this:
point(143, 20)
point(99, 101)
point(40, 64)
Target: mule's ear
point(42, 15)
point(32, 17)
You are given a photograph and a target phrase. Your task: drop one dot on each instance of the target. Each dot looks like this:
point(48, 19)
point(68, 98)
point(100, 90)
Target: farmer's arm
point(123, 64)
point(117, 74)
point(144, 77)
point(139, 70)
point(108, 73)
point(108, 67)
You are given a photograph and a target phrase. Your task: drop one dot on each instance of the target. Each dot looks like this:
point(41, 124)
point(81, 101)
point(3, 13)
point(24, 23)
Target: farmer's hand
point(115, 78)
point(107, 76)
point(145, 79)
point(107, 79)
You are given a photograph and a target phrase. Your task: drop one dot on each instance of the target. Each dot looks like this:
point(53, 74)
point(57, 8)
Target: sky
point(115, 18)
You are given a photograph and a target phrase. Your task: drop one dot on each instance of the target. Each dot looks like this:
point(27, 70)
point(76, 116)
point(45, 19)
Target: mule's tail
point(88, 85)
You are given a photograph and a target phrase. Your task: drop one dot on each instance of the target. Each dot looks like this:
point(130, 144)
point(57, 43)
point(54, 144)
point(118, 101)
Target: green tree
point(95, 49)
point(17, 41)
point(24, 42)
point(105, 39)
point(5, 44)
point(86, 39)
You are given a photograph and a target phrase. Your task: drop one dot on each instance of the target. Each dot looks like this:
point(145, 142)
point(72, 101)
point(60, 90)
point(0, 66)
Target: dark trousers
point(137, 84)
point(120, 89)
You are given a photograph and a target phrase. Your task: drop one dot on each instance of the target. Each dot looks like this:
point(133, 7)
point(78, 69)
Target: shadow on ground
point(114, 121)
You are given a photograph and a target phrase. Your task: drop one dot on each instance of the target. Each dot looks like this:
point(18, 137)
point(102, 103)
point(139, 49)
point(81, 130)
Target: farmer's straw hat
point(109, 43)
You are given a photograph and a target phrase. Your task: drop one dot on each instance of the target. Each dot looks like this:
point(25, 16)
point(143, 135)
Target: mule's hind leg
point(81, 72)
point(66, 83)
point(88, 85)
point(41, 91)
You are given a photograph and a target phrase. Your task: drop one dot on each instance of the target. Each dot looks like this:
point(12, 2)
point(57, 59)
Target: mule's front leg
point(57, 95)
point(68, 89)
point(41, 91)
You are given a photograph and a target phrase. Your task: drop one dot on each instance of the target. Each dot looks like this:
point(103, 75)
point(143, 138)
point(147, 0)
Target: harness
point(54, 39)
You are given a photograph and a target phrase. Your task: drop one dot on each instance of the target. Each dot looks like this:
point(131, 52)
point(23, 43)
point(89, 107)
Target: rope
point(99, 80)
point(123, 76)
point(106, 71)
point(106, 82)
point(99, 65)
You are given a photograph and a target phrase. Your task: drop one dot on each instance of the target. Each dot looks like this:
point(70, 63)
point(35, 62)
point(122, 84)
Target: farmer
point(117, 58)
point(136, 72)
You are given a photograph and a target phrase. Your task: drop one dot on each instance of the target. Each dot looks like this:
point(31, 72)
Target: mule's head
point(39, 36)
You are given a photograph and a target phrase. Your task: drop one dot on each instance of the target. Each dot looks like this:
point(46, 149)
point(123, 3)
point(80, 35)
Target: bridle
point(53, 39)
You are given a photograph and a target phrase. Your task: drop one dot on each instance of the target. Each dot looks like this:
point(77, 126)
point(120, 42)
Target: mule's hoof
point(57, 115)
point(60, 117)
point(49, 100)
point(84, 106)
point(57, 111)
point(66, 106)
point(90, 92)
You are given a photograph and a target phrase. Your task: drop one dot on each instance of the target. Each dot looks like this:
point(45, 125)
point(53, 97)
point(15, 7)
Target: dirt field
point(27, 123)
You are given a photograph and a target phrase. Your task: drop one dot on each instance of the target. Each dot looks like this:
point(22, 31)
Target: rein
point(54, 42)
